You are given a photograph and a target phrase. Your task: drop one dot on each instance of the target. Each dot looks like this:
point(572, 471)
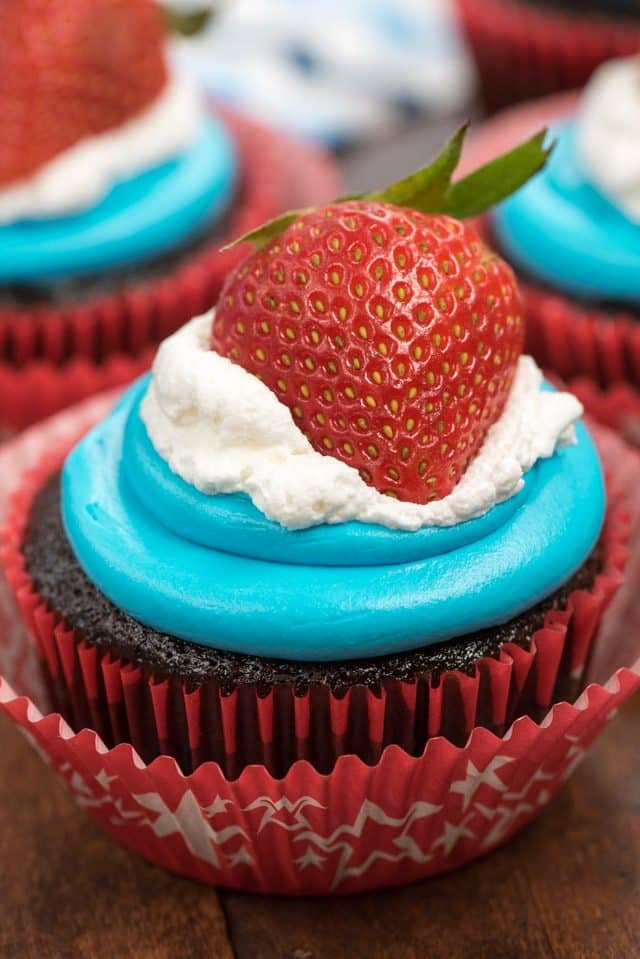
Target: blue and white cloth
point(333, 71)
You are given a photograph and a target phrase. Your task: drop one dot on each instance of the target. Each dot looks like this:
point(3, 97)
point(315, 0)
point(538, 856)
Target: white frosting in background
point(223, 431)
point(79, 177)
point(334, 71)
point(608, 135)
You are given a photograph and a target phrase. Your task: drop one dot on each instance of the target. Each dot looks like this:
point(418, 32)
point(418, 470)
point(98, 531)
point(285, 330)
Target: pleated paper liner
point(39, 389)
point(617, 407)
point(359, 826)
point(54, 357)
point(565, 336)
point(576, 341)
point(524, 50)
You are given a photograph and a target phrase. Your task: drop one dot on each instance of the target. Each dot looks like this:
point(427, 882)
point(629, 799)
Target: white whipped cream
point(79, 177)
point(609, 133)
point(223, 431)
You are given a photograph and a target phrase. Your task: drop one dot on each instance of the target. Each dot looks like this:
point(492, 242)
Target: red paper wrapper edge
point(54, 357)
point(360, 826)
point(523, 50)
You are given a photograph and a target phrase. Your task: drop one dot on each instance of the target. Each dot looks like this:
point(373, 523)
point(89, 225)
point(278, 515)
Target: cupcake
point(343, 521)
point(572, 234)
point(395, 62)
point(117, 190)
point(530, 48)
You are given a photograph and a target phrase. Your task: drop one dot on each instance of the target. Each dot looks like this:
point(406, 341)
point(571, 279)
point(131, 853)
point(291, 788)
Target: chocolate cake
point(60, 580)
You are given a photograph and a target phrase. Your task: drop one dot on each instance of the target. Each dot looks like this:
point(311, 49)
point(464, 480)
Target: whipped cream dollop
point(223, 431)
point(79, 177)
point(608, 133)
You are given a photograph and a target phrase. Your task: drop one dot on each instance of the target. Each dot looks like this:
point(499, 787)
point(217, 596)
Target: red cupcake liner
point(359, 826)
point(573, 340)
point(40, 389)
point(618, 407)
point(523, 50)
point(53, 357)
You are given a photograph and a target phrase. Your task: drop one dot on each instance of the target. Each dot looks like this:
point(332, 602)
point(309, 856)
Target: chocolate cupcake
point(118, 186)
point(572, 235)
point(344, 511)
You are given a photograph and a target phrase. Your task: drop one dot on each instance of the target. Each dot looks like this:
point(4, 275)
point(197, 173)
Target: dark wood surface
point(567, 888)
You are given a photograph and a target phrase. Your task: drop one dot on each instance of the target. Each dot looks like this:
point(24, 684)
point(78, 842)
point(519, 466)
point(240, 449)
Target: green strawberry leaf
point(187, 23)
point(424, 189)
point(498, 179)
point(264, 234)
point(431, 190)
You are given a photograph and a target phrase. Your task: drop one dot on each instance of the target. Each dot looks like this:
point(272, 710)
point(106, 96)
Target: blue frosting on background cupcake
point(560, 229)
point(139, 218)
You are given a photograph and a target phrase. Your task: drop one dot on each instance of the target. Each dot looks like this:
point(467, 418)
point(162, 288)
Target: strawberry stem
point(187, 23)
point(425, 189)
point(432, 190)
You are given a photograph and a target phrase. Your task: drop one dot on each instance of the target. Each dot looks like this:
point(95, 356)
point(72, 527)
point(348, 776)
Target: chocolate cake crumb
point(60, 580)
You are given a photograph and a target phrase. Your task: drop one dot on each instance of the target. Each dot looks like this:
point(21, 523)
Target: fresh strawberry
point(390, 331)
point(392, 337)
point(70, 69)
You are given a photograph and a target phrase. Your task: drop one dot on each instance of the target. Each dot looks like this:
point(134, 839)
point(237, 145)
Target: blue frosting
point(563, 231)
point(142, 547)
point(139, 218)
point(233, 524)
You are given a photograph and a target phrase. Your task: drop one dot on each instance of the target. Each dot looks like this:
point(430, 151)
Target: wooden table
point(568, 887)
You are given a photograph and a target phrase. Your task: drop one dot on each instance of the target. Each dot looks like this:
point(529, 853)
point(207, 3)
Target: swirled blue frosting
point(214, 570)
point(139, 218)
point(562, 230)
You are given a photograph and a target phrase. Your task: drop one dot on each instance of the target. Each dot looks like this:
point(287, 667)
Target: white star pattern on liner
point(505, 815)
point(452, 834)
point(188, 822)
point(104, 781)
point(86, 798)
point(310, 858)
point(475, 778)
point(273, 807)
point(539, 776)
point(370, 812)
point(391, 834)
point(240, 856)
point(217, 807)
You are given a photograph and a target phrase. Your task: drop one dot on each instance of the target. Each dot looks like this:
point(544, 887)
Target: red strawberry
point(391, 335)
point(70, 69)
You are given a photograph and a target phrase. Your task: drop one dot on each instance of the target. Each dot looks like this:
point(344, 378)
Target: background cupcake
point(385, 65)
point(114, 202)
point(529, 48)
point(572, 234)
point(234, 628)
